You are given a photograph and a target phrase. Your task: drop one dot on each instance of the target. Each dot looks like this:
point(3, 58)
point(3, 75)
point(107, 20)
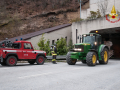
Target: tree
point(70, 45)
point(102, 6)
point(61, 47)
point(47, 47)
point(44, 46)
point(41, 43)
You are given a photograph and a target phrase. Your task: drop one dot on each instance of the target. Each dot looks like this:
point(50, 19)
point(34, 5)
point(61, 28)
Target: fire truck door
point(28, 51)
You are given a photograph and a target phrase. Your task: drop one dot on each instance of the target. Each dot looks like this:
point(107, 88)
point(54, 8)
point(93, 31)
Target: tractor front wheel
point(104, 56)
point(69, 60)
point(91, 58)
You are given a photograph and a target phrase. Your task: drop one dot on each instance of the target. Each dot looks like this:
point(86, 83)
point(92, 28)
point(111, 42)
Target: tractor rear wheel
point(84, 61)
point(104, 56)
point(91, 58)
point(69, 60)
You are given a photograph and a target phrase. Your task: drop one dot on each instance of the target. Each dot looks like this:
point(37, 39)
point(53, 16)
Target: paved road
point(61, 77)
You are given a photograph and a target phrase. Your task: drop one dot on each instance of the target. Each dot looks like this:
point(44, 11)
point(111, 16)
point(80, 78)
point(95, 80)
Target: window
point(53, 42)
point(66, 38)
point(27, 46)
point(16, 45)
point(57, 39)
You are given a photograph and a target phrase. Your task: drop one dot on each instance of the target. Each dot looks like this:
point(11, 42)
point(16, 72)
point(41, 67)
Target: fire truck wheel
point(40, 60)
point(11, 61)
point(31, 62)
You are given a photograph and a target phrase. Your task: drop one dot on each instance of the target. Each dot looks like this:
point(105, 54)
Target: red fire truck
point(21, 51)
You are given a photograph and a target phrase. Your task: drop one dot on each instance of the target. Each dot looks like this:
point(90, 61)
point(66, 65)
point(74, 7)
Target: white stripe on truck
point(9, 50)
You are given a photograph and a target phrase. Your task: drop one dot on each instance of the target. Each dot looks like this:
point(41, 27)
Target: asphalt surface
point(61, 76)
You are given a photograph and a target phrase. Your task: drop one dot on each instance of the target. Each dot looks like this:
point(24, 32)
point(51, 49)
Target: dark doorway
point(114, 36)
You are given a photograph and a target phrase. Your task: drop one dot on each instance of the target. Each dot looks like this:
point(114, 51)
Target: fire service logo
point(113, 17)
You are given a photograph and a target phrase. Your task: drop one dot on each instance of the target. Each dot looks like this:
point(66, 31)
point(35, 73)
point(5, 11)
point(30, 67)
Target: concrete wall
point(94, 5)
point(87, 26)
point(57, 34)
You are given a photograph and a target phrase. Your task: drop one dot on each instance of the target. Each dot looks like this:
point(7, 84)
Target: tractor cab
point(93, 39)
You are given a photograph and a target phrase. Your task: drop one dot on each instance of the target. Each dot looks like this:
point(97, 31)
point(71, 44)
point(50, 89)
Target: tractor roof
point(93, 34)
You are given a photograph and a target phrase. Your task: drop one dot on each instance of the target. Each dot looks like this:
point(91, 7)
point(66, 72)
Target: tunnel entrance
point(113, 35)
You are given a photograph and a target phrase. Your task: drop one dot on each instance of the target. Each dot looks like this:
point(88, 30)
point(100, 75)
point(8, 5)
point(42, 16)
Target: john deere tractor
point(89, 51)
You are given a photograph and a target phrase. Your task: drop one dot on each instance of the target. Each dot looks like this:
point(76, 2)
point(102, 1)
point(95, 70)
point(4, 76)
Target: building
point(105, 28)
point(53, 34)
point(94, 5)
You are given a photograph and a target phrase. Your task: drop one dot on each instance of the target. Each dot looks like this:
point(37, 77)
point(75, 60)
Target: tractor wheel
point(104, 56)
point(84, 61)
point(31, 62)
point(40, 60)
point(91, 58)
point(69, 60)
point(11, 61)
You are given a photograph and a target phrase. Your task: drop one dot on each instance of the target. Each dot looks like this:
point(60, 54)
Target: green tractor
point(89, 51)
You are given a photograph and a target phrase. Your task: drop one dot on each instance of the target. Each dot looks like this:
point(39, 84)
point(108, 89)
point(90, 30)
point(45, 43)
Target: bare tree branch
point(102, 6)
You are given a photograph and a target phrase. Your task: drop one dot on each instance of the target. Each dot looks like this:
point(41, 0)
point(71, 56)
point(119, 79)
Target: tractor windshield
point(89, 39)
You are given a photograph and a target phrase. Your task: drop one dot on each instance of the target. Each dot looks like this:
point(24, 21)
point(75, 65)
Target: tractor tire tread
point(69, 60)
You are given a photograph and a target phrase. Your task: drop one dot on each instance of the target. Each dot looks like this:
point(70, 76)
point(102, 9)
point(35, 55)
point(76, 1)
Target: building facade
point(103, 27)
point(53, 36)
point(94, 5)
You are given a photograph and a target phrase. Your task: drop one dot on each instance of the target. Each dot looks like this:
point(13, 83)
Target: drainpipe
point(80, 38)
point(76, 35)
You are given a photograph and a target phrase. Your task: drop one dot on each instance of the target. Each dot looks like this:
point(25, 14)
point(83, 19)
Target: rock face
point(18, 17)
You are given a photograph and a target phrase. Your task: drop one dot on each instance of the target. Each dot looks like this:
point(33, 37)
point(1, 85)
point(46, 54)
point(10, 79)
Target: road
point(61, 76)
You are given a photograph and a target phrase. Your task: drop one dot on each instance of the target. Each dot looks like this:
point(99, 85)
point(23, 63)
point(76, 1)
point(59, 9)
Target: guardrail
point(58, 57)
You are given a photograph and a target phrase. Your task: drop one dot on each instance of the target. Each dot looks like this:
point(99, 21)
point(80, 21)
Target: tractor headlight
point(75, 49)
point(78, 49)
point(95, 43)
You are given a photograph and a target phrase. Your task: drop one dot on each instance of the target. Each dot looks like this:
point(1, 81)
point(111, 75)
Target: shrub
point(44, 46)
point(61, 47)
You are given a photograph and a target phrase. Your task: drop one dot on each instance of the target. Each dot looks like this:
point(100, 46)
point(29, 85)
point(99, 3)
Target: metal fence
point(63, 57)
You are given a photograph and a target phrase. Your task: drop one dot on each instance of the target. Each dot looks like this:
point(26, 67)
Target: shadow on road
point(18, 65)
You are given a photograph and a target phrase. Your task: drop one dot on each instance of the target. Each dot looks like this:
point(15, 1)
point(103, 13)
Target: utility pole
point(80, 9)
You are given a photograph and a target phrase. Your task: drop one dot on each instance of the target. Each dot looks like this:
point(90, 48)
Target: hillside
point(18, 17)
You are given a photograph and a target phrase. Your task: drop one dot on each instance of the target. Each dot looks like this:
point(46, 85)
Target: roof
point(30, 35)
point(21, 42)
